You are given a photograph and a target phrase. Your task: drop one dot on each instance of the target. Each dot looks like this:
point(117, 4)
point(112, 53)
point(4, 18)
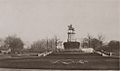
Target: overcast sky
point(36, 19)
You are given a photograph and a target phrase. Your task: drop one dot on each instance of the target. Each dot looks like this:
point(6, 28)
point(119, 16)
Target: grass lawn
point(66, 61)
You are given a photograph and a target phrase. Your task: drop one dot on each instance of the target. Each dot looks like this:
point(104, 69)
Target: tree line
point(97, 43)
point(17, 45)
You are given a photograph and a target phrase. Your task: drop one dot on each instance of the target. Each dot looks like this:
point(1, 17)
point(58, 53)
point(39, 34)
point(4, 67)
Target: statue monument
point(71, 43)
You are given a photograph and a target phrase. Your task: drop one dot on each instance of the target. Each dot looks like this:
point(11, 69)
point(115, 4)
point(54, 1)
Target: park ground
point(61, 62)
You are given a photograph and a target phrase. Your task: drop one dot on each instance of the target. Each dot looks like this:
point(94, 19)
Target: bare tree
point(45, 45)
point(101, 37)
point(89, 40)
point(93, 42)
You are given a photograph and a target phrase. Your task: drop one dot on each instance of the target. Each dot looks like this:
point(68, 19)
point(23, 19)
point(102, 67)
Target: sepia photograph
point(59, 35)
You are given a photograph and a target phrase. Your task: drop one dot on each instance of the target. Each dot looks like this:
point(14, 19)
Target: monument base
point(71, 45)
